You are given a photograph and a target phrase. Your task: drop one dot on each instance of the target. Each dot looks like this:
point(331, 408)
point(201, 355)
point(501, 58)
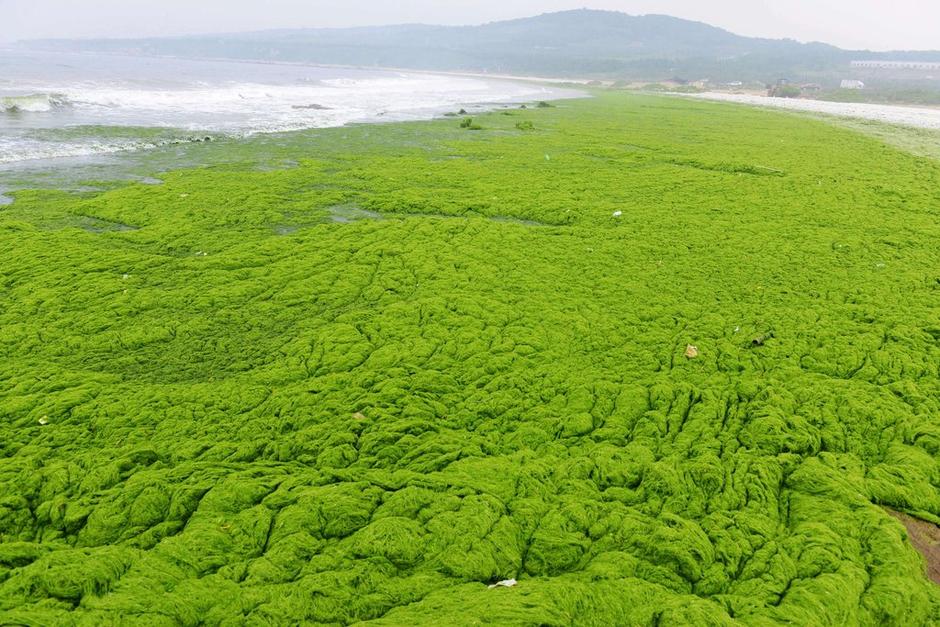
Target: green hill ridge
point(581, 43)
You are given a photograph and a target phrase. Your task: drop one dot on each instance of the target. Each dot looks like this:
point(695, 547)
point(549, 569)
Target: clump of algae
point(480, 376)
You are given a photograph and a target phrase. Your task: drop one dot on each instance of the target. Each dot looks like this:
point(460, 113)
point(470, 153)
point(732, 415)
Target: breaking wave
point(33, 103)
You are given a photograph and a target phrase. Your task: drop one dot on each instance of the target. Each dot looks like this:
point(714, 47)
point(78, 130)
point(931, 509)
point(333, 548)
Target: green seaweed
point(242, 410)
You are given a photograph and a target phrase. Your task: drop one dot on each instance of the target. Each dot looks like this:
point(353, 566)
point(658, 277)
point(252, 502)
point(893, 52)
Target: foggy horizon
point(848, 24)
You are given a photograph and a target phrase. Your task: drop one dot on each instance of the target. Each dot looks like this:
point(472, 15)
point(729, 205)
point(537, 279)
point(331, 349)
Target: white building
point(851, 84)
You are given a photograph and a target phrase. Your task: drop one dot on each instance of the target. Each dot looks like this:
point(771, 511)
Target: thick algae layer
point(221, 405)
point(923, 142)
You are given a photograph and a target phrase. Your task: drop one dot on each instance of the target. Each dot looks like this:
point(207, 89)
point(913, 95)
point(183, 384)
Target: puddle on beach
point(347, 214)
point(97, 225)
point(342, 214)
point(351, 213)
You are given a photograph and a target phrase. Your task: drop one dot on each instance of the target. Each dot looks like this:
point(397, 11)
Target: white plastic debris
point(44, 421)
point(506, 583)
point(127, 276)
point(617, 214)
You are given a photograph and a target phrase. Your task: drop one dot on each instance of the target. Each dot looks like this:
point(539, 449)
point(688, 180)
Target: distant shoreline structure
point(896, 65)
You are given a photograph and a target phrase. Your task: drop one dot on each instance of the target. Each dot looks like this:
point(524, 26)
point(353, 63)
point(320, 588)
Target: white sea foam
point(257, 107)
point(13, 151)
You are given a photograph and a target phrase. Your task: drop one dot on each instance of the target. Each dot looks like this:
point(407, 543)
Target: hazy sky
point(873, 24)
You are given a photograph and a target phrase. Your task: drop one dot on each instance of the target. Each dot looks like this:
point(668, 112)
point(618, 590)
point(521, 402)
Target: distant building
point(810, 88)
point(852, 84)
point(896, 65)
point(701, 84)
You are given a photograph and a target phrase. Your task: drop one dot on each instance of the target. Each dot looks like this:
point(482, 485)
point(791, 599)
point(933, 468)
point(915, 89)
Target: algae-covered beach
point(659, 361)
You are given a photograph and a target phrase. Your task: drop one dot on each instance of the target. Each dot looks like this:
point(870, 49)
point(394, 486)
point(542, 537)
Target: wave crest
point(33, 103)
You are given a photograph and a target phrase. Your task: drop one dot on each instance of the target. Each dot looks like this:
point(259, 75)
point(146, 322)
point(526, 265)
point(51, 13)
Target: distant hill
point(582, 43)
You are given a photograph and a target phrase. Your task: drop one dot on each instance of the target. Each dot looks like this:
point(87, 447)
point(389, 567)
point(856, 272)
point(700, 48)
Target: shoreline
point(601, 83)
point(456, 92)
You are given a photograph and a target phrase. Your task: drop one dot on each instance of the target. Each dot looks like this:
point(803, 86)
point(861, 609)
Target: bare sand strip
point(925, 537)
point(921, 117)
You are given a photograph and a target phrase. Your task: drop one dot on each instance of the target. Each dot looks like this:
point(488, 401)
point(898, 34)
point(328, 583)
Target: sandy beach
point(921, 117)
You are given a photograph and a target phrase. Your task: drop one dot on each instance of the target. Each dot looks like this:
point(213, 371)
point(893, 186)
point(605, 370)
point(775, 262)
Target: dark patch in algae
point(925, 537)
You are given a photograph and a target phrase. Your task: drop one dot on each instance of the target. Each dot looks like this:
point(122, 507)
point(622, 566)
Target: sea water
point(55, 105)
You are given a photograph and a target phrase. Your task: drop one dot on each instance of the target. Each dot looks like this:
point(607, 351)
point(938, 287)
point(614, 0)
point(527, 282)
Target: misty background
point(854, 24)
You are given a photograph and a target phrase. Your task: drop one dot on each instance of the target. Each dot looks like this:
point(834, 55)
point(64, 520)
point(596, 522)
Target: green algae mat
point(660, 362)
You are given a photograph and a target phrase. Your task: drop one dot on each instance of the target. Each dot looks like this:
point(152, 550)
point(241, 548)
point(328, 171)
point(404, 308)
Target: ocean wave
point(33, 103)
point(253, 107)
